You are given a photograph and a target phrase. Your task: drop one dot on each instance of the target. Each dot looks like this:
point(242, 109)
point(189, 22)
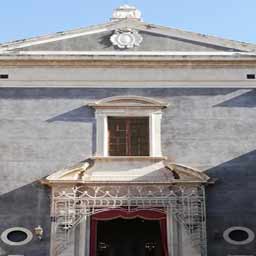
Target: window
point(250, 76)
point(16, 236)
point(128, 126)
point(4, 76)
point(128, 136)
point(238, 235)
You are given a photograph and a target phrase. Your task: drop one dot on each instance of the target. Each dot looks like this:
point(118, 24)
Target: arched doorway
point(122, 232)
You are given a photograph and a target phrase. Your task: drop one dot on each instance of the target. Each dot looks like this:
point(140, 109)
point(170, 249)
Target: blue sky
point(234, 19)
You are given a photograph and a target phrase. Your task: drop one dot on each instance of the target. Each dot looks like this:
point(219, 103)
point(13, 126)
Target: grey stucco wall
point(44, 130)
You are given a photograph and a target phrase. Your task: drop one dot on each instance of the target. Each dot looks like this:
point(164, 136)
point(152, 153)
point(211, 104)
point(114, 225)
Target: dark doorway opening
point(129, 237)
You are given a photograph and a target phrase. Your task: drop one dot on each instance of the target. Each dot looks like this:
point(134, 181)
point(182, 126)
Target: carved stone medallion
point(126, 39)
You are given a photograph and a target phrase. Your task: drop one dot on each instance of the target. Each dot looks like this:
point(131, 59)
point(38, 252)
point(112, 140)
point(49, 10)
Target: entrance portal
point(129, 237)
point(138, 233)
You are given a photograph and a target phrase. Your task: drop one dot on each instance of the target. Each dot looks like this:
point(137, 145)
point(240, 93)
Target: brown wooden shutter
point(128, 136)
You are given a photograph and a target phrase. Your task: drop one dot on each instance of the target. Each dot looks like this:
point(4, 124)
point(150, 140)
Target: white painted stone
point(250, 233)
point(154, 113)
point(124, 77)
point(155, 134)
point(128, 170)
point(172, 233)
point(187, 247)
point(82, 237)
point(4, 236)
point(126, 38)
point(102, 134)
point(126, 12)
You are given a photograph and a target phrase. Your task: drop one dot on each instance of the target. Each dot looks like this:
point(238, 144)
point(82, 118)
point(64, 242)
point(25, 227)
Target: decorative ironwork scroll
point(71, 204)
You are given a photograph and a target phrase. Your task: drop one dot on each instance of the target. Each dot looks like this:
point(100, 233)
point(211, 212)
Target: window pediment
point(130, 170)
point(128, 101)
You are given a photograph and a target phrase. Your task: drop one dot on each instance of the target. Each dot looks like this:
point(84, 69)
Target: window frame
point(4, 236)
point(227, 238)
point(128, 106)
point(129, 150)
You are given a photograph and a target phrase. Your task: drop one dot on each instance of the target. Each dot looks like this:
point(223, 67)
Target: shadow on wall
point(104, 40)
point(231, 202)
point(27, 207)
point(246, 100)
point(99, 93)
point(83, 114)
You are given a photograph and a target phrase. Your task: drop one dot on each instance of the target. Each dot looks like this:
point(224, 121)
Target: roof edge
point(138, 25)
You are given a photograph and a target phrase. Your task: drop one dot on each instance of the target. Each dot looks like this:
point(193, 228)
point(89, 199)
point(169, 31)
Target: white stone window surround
point(4, 236)
point(250, 233)
point(128, 106)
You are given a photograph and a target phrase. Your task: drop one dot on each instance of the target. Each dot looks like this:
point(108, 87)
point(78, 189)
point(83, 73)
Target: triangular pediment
point(151, 38)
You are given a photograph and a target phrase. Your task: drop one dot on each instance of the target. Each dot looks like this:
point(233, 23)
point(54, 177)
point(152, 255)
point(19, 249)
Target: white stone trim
point(126, 38)
point(131, 106)
point(155, 134)
point(117, 101)
point(4, 236)
point(238, 84)
point(48, 39)
point(126, 12)
point(251, 235)
point(133, 53)
point(82, 237)
point(101, 134)
point(172, 233)
point(154, 128)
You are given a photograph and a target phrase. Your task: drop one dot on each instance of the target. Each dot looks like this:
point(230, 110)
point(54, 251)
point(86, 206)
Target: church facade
point(127, 138)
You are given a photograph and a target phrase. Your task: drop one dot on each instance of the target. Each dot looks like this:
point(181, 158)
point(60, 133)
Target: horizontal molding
point(128, 84)
point(128, 53)
point(129, 158)
point(117, 62)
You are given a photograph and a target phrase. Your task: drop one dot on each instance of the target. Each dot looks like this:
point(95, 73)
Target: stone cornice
point(131, 63)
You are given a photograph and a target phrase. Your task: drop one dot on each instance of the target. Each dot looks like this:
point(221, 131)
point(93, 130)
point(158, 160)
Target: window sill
point(132, 158)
